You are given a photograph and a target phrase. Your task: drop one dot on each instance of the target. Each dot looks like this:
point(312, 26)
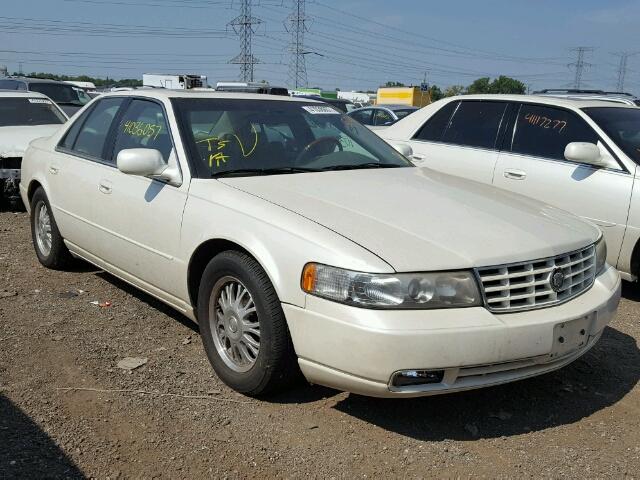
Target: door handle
point(418, 158)
point(515, 174)
point(53, 170)
point(105, 187)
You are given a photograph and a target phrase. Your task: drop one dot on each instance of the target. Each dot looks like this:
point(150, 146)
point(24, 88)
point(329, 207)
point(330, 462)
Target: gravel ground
point(582, 421)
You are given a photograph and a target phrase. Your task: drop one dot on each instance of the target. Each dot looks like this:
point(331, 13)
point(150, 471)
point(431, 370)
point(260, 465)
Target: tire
point(275, 366)
point(56, 256)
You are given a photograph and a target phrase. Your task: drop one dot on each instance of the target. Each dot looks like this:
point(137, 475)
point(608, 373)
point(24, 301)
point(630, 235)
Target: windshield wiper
point(242, 172)
point(362, 166)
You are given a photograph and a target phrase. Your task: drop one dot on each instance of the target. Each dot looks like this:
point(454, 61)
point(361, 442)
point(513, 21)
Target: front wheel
point(47, 241)
point(243, 327)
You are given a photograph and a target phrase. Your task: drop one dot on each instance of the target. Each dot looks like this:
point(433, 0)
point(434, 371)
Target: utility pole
point(580, 64)
point(243, 27)
point(296, 25)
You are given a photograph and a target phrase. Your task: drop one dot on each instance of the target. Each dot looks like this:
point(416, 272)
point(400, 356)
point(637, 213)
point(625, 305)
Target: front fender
point(280, 240)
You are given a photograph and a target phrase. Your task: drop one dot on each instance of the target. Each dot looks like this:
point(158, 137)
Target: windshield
point(622, 125)
point(263, 137)
point(28, 111)
point(60, 93)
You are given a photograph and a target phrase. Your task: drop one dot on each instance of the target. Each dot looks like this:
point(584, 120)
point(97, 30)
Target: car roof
point(21, 93)
point(34, 80)
point(165, 94)
point(397, 107)
point(546, 100)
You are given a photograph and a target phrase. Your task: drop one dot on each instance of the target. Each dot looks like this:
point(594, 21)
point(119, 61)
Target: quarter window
point(433, 129)
point(143, 126)
point(546, 131)
point(475, 124)
point(93, 134)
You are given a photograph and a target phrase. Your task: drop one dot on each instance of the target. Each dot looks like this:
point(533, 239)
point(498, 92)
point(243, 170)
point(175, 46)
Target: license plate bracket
point(570, 336)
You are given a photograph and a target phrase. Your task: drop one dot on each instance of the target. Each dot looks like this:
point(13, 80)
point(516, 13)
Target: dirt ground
point(582, 421)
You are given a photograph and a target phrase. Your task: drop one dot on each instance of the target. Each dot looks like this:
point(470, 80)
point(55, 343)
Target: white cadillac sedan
point(300, 241)
point(24, 116)
point(581, 155)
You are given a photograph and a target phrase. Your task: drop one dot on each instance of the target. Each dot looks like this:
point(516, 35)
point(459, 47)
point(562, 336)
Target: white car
point(578, 155)
point(24, 116)
point(297, 239)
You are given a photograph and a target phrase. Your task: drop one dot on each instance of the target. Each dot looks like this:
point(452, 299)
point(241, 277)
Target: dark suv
point(69, 98)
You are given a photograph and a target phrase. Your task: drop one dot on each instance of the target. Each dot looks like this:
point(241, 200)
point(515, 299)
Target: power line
point(296, 25)
point(580, 64)
point(243, 27)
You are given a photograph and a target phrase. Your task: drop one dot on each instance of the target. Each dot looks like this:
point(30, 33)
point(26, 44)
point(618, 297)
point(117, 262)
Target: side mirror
point(584, 152)
point(403, 148)
point(147, 162)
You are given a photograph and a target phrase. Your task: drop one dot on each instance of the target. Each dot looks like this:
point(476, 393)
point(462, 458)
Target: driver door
point(141, 217)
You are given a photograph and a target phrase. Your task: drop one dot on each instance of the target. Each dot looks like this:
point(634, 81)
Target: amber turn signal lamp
point(309, 277)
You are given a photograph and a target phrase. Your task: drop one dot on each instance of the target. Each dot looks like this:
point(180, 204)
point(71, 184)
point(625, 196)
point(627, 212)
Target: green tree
point(435, 93)
point(481, 85)
point(454, 90)
point(394, 84)
point(504, 84)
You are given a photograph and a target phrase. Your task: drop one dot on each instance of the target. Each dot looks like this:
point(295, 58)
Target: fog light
point(407, 378)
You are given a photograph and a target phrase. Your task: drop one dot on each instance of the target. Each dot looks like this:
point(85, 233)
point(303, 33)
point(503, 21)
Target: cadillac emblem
point(557, 279)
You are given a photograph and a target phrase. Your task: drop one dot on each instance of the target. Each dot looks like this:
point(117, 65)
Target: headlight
point(394, 291)
point(601, 254)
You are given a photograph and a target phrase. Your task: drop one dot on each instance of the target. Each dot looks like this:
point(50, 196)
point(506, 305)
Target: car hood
point(419, 219)
point(15, 140)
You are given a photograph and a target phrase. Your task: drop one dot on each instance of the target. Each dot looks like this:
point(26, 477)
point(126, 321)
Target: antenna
point(243, 27)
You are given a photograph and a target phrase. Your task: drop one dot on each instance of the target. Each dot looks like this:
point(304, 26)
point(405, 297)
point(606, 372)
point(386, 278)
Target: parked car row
point(68, 97)
point(300, 241)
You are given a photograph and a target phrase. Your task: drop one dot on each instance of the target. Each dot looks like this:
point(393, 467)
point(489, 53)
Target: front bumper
point(359, 350)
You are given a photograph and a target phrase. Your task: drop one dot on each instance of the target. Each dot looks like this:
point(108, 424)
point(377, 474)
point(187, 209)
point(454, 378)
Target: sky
point(356, 45)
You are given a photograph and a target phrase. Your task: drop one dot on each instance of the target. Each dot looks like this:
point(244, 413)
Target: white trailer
point(355, 97)
point(174, 82)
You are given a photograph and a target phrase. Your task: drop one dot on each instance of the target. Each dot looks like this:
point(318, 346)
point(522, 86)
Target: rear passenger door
point(533, 164)
point(74, 173)
point(462, 139)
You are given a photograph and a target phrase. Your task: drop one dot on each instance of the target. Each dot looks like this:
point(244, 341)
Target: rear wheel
point(47, 241)
point(243, 327)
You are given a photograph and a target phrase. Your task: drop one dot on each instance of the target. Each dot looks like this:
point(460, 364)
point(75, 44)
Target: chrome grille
point(527, 285)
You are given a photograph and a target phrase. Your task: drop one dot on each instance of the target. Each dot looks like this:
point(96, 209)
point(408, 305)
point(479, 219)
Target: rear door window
point(543, 131)
point(382, 117)
point(363, 116)
point(475, 124)
point(93, 134)
point(143, 125)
